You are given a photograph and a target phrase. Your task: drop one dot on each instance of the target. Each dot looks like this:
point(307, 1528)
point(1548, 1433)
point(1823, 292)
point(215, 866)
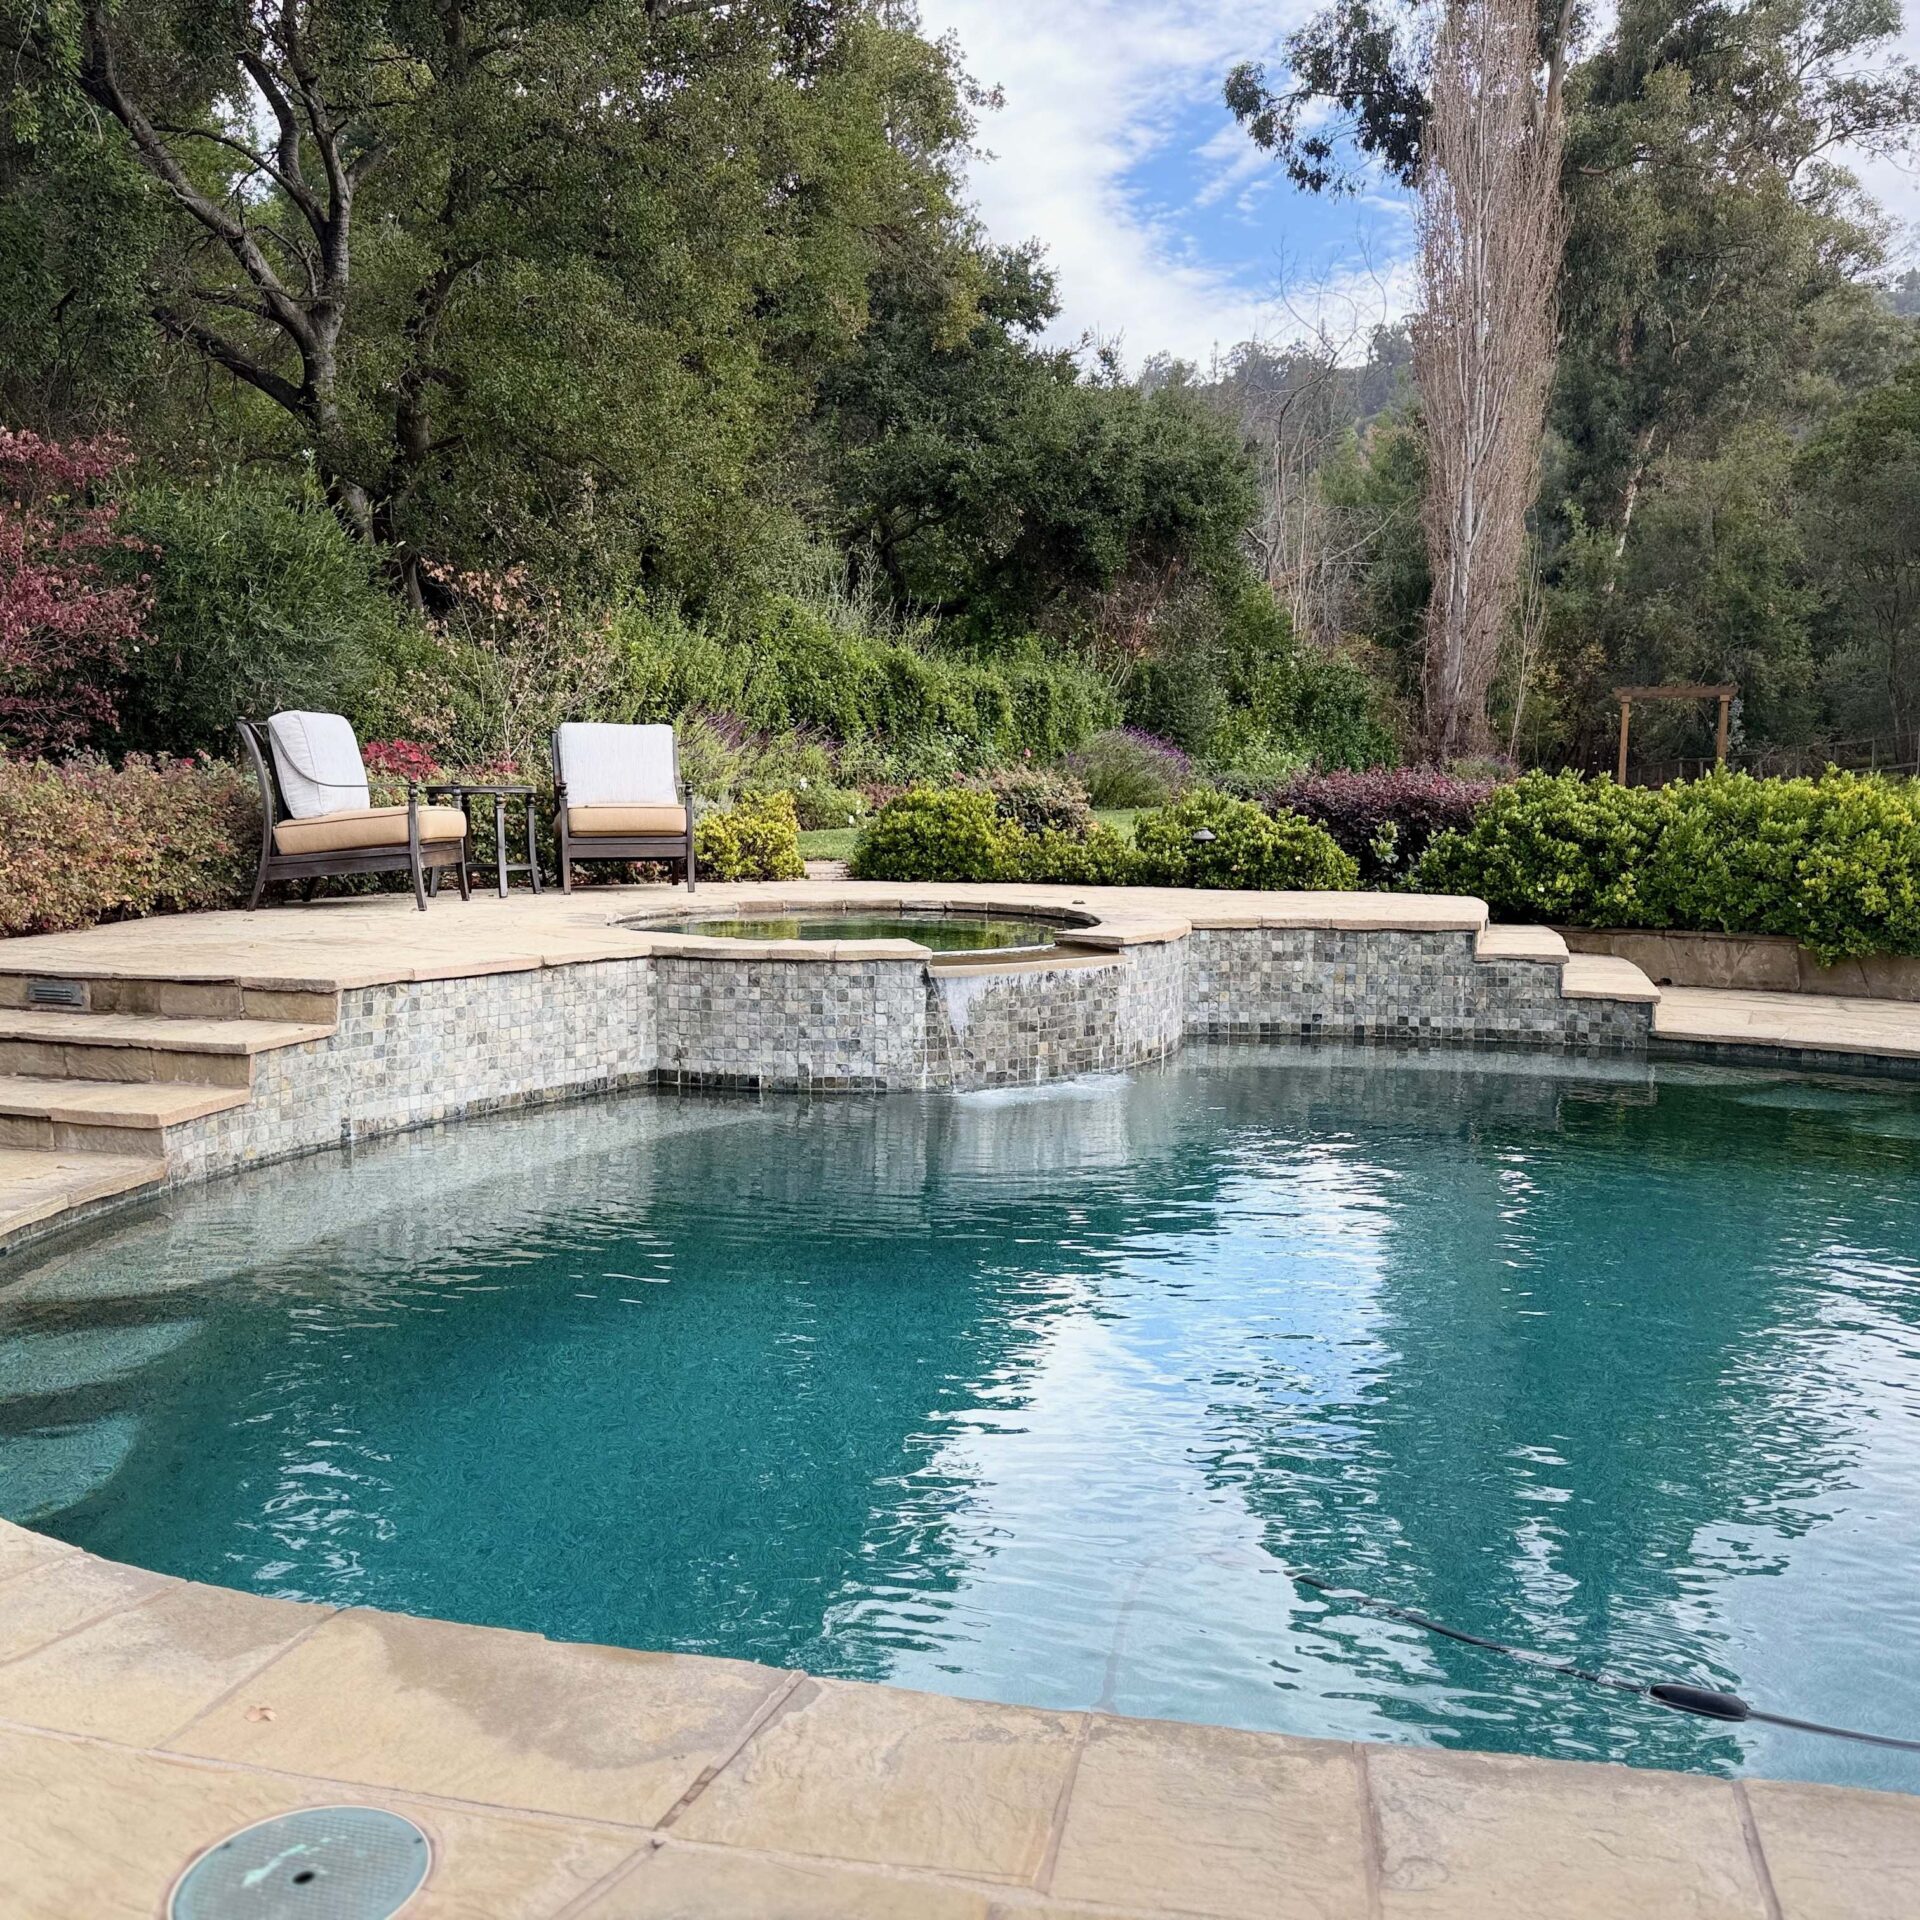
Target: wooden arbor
point(1628, 695)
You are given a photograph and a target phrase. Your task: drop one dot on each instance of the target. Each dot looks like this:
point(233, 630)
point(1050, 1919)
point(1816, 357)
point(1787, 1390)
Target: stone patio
point(143, 1719)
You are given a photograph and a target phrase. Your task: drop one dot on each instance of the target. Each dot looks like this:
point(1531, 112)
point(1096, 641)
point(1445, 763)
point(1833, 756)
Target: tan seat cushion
point(361, 829)
point(655, 819)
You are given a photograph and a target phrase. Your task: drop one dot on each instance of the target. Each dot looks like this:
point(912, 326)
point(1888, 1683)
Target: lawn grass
point(836, 843)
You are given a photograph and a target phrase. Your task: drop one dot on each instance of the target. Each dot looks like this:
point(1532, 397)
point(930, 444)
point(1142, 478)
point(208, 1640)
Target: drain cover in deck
point(322, 1863)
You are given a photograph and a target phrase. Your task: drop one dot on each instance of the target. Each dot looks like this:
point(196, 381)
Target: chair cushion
point(363, 829)
point(606, 766)
point(317, 761)
point(627, 820)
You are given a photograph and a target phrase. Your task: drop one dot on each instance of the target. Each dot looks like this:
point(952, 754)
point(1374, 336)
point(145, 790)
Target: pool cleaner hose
point(1704, 1701)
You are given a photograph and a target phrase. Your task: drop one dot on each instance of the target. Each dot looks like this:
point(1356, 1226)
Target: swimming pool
point(1040, 1396)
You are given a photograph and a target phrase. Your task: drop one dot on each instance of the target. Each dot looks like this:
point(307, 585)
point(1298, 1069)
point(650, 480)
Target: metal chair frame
point(673, 848)
point(417, 858)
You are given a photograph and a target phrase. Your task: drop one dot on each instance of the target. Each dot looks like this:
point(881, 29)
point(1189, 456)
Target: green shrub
point(1553, 847)
point(1248, 848)
point(1098, 858)
point(259, 602)
point(1037, 801)
point(928, 834)
point(1833, 863)
point(757, 838)
point(829, 806)
point(86, 841)
point(1123, 767)
point(789, 668)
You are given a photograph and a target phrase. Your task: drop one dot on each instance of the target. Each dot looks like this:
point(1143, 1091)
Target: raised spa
point(1048, 1396)
point(941, 930)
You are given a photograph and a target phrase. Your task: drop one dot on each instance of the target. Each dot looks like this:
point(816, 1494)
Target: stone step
point(35, 1186)
point(1520, 943)
point(138, 1047)
point(103, 1116)
point(1598, 976)
point(183, 999)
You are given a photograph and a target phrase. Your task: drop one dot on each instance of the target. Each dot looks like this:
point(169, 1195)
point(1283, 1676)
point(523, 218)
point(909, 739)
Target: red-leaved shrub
point(67, 621)
point(86, 841)
point(1385, 817)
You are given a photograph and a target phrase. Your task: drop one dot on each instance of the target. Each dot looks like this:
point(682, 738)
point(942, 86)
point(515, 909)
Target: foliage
point(1384, 819)
point(67, 626)
point(980, 475)
point(820, 807)
point(1097, 858)
point(400, 759)
point(955, 833)
point(789, 668)
point(757, 838)
point(1124, 767)
point(1040, 801)
point(1552, 847)
point(87, 841)
point(261, 601)
point(1247, 848)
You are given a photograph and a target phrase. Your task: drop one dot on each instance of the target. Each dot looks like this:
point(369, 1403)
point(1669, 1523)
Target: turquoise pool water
point(1039, 1397)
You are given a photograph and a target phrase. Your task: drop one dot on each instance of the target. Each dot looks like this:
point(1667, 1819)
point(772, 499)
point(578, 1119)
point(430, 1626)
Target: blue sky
point(1167, 229)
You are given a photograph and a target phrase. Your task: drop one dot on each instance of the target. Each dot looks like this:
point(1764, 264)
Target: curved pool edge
point(143, 1718)
point(319, 1027)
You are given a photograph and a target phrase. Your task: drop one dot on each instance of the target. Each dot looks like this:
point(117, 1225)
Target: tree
point(1491, 227)
point(987, 480)
point(1859, 512)
point(67, 624)
point(505, 266)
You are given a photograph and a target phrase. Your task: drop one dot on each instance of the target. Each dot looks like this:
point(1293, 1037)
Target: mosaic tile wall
point(419, 1051)
point(411, 1054)
point(1271, 983)
point(826, 1026)
point(1017, 1029)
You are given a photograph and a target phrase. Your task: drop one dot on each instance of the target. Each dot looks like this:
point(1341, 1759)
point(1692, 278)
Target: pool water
point(1039, 1397)
point(939, 932)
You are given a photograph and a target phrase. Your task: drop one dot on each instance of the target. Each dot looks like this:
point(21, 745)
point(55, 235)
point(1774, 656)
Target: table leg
point(533, 848)
point(500, 841)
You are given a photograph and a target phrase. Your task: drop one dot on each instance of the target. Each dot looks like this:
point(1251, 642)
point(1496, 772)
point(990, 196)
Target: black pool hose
point(1704, 1701)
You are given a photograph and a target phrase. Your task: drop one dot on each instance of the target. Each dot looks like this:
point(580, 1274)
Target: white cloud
point(1094, 87)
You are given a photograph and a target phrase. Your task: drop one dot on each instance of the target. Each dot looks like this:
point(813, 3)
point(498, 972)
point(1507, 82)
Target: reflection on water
point(1038, 1396)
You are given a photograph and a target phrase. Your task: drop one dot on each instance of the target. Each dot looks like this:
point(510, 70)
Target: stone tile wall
point(418, 1051)
point(1264, 983)
point(410, 1054)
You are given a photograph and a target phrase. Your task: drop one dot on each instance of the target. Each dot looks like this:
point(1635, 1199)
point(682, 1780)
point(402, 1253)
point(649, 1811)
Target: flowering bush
point(1040, 802)
point(1124, 767)
point(86, 841)
point(66, 625)
point(1384, 818)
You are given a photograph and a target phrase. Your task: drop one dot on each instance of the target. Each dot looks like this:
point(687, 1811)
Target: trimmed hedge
point(1247, 847)
point(86, 841)
point(1832, 863)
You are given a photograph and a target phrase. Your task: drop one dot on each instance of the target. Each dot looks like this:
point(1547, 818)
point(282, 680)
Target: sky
point(1169, 231)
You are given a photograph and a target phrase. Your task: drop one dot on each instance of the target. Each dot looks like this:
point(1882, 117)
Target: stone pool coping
point(144, 1718)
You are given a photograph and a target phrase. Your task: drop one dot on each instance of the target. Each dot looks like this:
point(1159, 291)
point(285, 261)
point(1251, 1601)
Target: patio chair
point(618, 796)
point(316, 816)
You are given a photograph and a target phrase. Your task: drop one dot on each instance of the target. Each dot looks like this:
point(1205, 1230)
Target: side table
point(463, 795)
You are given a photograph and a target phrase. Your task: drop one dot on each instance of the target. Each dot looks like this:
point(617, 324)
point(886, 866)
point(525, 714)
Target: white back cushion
point(606, 766)
point(317, 762)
